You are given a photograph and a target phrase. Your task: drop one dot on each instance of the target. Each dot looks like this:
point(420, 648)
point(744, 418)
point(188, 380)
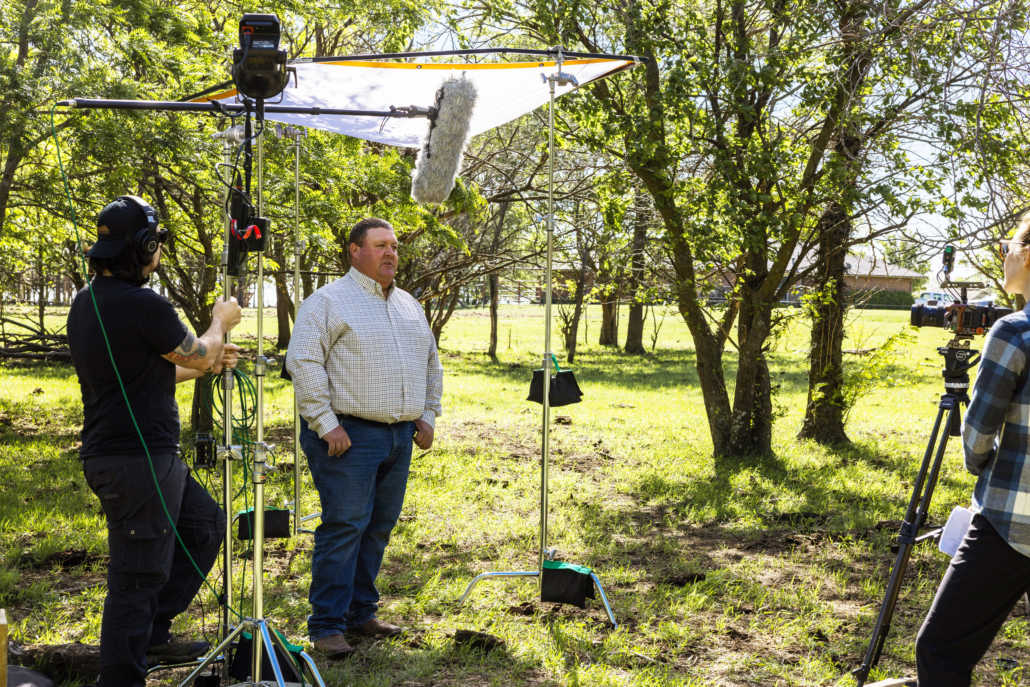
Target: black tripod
point(958, 360)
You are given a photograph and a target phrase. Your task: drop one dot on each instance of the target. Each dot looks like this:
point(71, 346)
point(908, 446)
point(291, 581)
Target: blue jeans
point(362, 493)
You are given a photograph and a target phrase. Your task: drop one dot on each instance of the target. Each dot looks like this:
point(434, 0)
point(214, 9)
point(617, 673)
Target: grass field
point(721, 571)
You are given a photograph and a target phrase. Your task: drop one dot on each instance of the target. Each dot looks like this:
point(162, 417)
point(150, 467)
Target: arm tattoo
point(189, 350)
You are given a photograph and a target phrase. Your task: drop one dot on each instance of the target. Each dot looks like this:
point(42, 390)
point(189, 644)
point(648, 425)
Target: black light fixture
point(258, 65)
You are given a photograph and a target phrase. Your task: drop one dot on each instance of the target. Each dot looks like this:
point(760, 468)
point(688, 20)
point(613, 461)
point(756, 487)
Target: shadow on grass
point(749, 502)
point(668, 368)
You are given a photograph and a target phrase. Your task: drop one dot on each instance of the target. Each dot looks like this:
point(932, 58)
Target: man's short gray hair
point(357, 234)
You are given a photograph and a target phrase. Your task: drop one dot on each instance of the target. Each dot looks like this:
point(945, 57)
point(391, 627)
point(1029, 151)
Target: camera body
point(959, 318)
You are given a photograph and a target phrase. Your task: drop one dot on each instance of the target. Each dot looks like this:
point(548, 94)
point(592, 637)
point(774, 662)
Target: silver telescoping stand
point(561, 79)
point(295, 134)
point(260, 630)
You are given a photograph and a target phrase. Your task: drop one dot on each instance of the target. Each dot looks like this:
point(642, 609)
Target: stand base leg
point(269, 640)
point(188, 664)
point(492, 575)
point(604, 600)
point(216, 654)
point(496, 575)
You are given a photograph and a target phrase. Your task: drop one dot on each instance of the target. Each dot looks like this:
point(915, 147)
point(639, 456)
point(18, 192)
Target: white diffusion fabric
point(506, 91)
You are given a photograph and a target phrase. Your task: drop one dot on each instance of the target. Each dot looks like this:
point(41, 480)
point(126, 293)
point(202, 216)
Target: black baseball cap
point(121, 218)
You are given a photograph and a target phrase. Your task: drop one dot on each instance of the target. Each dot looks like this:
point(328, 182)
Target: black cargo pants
point(985, 580)
point(150, 580)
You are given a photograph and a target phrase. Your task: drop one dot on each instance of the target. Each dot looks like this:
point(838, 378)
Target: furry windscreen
point(443, 148)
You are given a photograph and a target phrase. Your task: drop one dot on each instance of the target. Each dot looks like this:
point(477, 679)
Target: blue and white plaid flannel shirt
point(1000, 404)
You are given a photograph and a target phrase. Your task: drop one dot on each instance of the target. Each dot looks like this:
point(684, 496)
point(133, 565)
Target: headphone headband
point(150, 212)
point(149, 238)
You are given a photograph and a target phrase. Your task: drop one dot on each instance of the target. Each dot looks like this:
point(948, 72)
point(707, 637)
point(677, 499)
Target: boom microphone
point(443, 148)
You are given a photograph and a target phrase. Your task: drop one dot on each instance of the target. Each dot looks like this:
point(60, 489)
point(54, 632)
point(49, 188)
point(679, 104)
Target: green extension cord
point(241, 424)
point(107, 343)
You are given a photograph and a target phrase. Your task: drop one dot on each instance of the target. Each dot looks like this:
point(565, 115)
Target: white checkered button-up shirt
point(355, 351)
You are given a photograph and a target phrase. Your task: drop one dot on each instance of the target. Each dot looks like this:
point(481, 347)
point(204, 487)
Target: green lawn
point(720, 571)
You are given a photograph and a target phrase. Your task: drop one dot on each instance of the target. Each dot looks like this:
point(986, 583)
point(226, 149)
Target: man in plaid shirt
point(368, 381)
point(991, 570)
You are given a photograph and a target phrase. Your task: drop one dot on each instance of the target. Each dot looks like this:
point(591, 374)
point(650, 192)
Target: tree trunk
point(825, 410)
point(609, 335)
point(445, 308)
point(15, 154)
point(493, 281)
point(284, 314)
point(635, 326)
point(41, 275)
point(572, 335)
point(751, 428)
point(494, 298)
point(306, 282)
point(284, 310)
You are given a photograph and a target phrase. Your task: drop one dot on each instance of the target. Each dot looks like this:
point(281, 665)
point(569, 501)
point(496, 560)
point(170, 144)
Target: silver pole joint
point(294, 133)
point(229, 452)
point(260, 363)
point(261, 452)
point(298, 247)
point(234, 135)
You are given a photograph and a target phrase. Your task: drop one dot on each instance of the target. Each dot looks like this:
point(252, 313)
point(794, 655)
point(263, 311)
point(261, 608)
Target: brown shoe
point(333, 646)
point(377, 628)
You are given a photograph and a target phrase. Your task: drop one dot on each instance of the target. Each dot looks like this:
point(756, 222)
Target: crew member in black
point(150, 579)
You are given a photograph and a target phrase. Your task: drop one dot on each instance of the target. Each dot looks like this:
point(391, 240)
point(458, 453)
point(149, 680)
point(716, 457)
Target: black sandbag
point(565, 583)
point(564, 389)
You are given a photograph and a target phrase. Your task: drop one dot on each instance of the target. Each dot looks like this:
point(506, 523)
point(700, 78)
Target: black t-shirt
point(141, 326)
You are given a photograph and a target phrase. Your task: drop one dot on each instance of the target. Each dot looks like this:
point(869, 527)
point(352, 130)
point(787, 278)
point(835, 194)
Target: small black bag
point(564, 389)
point(277, 524)
point(242, 665)
point(565, 583)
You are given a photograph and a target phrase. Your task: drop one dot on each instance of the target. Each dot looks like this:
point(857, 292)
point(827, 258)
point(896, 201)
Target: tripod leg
point(312, 669)
point(216, 654)
point(277, 670)
point(914, 517)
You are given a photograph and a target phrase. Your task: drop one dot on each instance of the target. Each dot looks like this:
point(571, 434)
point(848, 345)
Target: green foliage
point(882, 297)
point(877, 371)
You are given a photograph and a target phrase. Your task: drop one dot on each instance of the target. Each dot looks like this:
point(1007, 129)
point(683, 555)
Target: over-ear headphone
point(147, 240)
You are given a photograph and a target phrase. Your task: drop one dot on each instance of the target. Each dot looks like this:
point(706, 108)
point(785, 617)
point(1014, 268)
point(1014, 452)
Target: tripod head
point(959, 359)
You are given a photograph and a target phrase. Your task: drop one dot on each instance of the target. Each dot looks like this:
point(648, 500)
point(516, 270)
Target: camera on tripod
point(958, 318)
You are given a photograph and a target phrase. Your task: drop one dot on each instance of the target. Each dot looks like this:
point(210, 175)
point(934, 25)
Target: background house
point(862, 273)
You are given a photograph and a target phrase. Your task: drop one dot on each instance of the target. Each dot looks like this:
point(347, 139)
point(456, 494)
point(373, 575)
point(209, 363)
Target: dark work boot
point(176, 651)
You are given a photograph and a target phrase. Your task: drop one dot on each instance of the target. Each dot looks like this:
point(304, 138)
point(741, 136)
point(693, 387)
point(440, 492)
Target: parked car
point(935, 298)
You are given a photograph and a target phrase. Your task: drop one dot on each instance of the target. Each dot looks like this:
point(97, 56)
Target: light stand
point(562, 79)
point(296, 134)
point(263, 638)
point(230, 137)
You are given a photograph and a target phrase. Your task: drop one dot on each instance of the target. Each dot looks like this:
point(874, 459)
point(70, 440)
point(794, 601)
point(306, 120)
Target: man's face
point(377, 257)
